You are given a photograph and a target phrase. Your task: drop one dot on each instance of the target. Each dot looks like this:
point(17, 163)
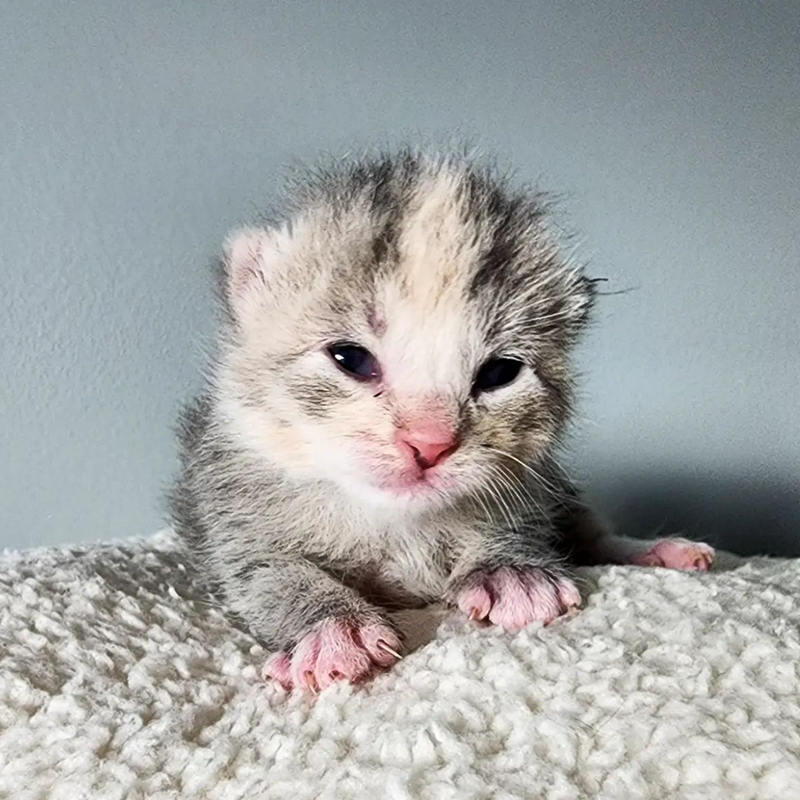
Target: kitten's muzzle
point(427, 444)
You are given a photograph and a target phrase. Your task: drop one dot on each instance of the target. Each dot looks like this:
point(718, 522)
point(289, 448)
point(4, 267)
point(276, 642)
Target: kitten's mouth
point(412, 484)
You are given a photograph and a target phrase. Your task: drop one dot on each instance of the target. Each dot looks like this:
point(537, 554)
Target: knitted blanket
point(118, 679)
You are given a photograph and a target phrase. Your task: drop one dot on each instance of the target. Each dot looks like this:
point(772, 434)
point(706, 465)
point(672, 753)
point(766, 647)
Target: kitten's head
point(404, 334)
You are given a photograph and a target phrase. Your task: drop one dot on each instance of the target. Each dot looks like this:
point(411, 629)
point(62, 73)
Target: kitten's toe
point(278, 668)
point(512, 598)
point(335, 650)
point(677, 554)
point(380, 641)
point(475, 602)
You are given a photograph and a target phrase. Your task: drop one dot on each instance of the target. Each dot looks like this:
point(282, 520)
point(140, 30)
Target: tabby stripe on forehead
point(495, 268)
point(503, 219)
point(384, 244)
point(387, 188)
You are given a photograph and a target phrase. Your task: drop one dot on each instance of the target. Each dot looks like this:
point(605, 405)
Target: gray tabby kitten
point(380, 426)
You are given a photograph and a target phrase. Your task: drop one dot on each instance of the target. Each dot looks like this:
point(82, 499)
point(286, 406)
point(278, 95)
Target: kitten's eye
point(355, 361)
point(495, 373)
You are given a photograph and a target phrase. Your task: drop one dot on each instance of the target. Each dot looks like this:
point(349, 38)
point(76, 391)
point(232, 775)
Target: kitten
point(379, 429)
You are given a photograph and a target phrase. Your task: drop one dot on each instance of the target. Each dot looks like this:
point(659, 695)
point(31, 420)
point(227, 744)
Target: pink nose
point(429, 444)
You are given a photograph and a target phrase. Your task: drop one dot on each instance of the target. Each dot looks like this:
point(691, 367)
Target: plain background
point(133, 136)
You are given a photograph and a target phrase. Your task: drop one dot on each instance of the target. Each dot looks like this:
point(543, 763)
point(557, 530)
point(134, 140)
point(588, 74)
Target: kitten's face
point(410, 347)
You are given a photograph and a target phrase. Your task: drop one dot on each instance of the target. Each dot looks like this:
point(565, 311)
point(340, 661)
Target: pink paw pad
point(677, 554)
point(335, 650)
point(513, 598)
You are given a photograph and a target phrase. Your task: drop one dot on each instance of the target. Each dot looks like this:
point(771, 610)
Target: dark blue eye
point(495, 373)
point(355, 361)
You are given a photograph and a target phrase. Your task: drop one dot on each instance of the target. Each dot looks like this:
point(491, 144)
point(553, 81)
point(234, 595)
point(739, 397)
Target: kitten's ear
point(248, 253)
point(584, 299)
point(578, 302)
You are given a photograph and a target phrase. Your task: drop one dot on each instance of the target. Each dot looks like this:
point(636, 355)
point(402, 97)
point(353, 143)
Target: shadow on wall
point(746, 516)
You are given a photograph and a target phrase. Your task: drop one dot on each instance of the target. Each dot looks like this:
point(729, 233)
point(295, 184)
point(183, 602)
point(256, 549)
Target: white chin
point(406, 498)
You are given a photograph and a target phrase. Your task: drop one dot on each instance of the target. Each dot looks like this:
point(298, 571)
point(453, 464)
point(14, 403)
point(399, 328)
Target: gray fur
point(269, 498)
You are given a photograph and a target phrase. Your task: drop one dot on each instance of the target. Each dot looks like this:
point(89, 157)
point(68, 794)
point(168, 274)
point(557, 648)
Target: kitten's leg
point(589, 542)
point(511, 580)
point(323, 631)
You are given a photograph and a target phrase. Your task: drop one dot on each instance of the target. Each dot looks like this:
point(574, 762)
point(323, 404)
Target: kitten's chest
point(408, 570)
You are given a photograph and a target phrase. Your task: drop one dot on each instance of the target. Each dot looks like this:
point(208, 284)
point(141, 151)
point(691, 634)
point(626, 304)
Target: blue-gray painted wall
point(134, 135)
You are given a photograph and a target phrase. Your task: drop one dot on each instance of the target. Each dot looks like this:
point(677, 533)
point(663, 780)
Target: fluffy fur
point(306, 493)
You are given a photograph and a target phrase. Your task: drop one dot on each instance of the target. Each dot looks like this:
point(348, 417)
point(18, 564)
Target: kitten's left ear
point(588, 293)
point(581, 300)
point(248, 253)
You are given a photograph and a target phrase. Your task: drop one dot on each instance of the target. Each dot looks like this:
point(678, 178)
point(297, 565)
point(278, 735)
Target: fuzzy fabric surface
point(119, 680)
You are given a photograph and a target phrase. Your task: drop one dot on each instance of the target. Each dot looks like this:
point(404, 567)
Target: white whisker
point(502, 499)
point(522, 487)
point(533, 473)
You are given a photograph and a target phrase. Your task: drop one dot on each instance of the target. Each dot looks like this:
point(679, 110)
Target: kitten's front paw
point(677, 554)
point(513, 597)
point(341, 649)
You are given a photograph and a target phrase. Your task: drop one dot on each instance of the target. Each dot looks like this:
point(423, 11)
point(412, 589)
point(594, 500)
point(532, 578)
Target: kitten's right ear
point(247, 255)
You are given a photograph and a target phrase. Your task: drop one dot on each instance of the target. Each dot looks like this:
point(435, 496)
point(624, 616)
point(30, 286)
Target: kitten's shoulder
point(194, 422)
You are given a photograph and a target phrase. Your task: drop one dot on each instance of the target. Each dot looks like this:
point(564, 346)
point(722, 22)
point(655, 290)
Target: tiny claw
point(384, 646)
point(703, 562)
point(474, 614)
point(311, 682)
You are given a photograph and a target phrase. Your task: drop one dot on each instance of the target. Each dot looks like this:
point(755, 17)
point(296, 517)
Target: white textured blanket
point(118, 681)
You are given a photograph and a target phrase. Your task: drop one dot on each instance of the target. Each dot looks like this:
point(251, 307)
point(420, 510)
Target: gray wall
point(134, 135)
